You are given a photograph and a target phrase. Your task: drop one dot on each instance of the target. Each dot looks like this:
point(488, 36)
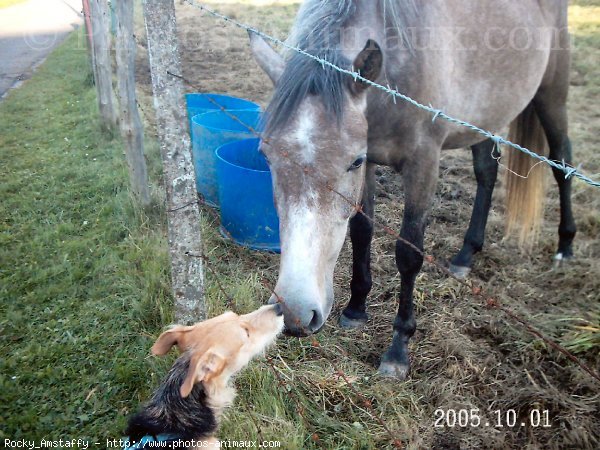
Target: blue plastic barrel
point(201, 103)
point(209, 132)
point(248, 213)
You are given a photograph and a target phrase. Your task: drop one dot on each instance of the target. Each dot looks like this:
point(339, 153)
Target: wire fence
point(393, 435)
point(567, 169)
point(488, 299)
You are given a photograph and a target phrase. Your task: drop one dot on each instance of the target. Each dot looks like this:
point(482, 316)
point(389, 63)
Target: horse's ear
point(368, 63)
point(268, 59)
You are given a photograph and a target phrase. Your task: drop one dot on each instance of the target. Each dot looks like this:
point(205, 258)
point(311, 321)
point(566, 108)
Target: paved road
point(29, 31)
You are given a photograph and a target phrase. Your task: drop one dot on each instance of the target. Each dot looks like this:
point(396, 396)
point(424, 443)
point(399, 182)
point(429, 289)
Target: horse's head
point(316, 145)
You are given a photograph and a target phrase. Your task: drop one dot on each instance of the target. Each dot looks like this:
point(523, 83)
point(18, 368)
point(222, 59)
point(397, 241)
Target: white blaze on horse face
point(300, 282)
point(306, 129)
point(301, 244)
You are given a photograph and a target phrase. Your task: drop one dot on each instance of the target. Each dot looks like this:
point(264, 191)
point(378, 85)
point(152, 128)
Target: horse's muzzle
point(301, 325)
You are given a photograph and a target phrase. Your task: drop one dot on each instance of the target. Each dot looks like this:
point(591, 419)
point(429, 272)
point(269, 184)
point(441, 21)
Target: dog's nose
point(278, 309)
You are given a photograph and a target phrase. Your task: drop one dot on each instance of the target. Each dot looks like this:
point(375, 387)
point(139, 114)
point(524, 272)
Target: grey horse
point(489, 62)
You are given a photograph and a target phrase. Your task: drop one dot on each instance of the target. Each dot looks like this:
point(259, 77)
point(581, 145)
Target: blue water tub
point(210, 131)
point(201, 103)
point(248, 214)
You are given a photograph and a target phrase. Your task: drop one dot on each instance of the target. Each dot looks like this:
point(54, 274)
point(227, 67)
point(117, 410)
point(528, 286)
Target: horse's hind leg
point(486, 172)
point(361, 234)
point(552, 111)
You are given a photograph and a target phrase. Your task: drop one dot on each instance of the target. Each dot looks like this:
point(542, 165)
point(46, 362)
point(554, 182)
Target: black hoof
point(395, 362)
point(390, 369)
point(351, 324)
point(460, 271)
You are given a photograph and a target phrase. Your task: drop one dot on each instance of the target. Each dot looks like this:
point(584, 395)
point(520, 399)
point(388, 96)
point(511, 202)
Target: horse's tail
point(525, 192)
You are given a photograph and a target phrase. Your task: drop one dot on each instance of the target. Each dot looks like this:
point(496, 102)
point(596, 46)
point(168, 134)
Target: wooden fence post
point(89, 32)
point(102, 64)
point(130, 123)
point(172, 127)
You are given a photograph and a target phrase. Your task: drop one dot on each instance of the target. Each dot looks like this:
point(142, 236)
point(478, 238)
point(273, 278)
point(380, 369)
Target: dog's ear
point(203, 367)
point(174, 336)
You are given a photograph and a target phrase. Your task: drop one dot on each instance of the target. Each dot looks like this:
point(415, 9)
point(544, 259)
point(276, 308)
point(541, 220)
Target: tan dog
point(186, 408)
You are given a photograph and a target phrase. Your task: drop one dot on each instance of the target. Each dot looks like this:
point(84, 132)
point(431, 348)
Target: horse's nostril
point(278, 309)
point(317, 321)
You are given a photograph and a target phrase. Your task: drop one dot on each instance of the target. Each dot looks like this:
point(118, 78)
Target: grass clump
point(583, 335)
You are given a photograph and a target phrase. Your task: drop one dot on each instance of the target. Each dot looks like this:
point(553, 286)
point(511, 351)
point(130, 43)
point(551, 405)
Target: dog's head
point(223, 345)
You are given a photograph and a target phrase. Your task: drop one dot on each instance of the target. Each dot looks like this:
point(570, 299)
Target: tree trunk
point(130, 123)
point(102, 63)
point(172, 126)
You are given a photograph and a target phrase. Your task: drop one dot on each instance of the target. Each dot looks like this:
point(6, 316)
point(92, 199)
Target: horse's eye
point(358, 163)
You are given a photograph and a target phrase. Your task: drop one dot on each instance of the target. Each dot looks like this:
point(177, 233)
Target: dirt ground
point(464, 354)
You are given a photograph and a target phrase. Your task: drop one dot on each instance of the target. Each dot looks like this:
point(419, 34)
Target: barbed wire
point(282, 383)
point(567, 169)
point(338, 372)
point(230, 303)
point(488, 300)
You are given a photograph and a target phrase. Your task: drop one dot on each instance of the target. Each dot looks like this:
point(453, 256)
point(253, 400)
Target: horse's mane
point(317, 30)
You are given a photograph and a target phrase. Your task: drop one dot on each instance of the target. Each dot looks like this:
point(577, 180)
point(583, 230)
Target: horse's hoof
point(460, 271)
point(561, 260)
point(352, 324)
point(398, 371)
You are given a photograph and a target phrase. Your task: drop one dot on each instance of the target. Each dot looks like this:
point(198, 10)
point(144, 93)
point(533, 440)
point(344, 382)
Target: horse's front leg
point(361, 234)
point(420, 177)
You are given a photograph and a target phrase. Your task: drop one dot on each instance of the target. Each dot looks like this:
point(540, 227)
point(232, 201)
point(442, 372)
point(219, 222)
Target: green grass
point(83, 278)
point(7, 3)
point(585, 336)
